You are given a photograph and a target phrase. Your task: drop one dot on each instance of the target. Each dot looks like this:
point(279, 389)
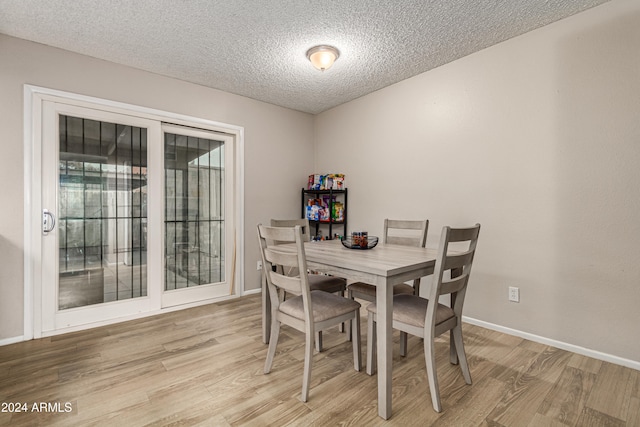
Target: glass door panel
point(194, 211)
point(96, 182)
point(102, 212)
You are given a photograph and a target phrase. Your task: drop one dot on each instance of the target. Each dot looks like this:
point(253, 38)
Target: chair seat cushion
point(412, 310)
point(331, 284)
point(367, 289)
point(324, 305)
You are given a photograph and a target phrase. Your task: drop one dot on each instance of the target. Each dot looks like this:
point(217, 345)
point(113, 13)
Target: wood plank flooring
point(203, 367)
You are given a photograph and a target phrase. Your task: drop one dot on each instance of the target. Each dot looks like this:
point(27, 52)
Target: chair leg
point(403, 343)
point(319, 341)
point(371, 345)
point(430, 359)
point(462, 357)
point(341, 326)
point(308, 357)
point(350, 296)
point(453, 354)
point(273, 342)
point(356, 341)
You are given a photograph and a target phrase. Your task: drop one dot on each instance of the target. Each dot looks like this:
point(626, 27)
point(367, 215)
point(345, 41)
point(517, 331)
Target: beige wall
point(278, 145)
point(537, 139)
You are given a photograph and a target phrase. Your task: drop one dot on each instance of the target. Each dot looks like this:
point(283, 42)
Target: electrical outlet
point(514, 294)
point(259, 266)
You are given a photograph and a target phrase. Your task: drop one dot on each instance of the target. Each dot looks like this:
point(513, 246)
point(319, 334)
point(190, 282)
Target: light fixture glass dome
point(322, 57)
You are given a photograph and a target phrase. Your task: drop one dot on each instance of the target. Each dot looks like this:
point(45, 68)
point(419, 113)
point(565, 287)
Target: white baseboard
point(12, 340)
point(558, 344)
point(252, 291)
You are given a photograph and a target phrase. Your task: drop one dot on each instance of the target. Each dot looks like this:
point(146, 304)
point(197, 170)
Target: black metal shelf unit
point(331, 222)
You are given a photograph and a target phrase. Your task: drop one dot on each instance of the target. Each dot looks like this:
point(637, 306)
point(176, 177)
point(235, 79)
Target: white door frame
point(34, 97)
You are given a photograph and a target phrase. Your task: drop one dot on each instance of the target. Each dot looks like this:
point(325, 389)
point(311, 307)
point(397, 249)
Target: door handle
point(48, 221)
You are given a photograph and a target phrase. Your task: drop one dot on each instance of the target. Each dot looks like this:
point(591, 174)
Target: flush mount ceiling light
point(322, 57)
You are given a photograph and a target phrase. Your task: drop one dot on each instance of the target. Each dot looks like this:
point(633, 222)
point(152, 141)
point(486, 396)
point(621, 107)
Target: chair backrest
point(306, 237)
point(407, 233)
point(302, 222)
point(453, 268)
point(289, 257)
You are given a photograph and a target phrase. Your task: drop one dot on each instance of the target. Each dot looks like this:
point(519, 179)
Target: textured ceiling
point(256, 48)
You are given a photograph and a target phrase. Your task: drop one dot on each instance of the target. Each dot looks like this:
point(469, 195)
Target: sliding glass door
point(135, 216)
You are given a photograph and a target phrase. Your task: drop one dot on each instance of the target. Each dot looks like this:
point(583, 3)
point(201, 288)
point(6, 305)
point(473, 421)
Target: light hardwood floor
point(203, 366)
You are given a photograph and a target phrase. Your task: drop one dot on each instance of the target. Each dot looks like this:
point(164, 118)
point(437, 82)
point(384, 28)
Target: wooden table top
point(386, 262)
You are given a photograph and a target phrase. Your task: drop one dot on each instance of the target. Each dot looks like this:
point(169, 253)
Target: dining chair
point(317, 282)
point(309, 311)
point(396, 232)
point(427, 318)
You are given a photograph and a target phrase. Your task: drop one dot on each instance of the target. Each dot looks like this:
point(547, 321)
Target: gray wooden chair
point(317, 282)
point(396, 232)
point(309, 311)
point(427, 318)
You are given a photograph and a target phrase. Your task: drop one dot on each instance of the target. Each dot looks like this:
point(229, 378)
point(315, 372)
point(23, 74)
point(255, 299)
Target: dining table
point(383, 266)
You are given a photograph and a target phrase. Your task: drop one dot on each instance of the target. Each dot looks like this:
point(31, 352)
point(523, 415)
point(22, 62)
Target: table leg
point(266, 309)
point(384, 302)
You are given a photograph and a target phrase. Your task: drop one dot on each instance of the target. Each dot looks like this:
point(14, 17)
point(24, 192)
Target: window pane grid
point(102, 211)
point(194, 254)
